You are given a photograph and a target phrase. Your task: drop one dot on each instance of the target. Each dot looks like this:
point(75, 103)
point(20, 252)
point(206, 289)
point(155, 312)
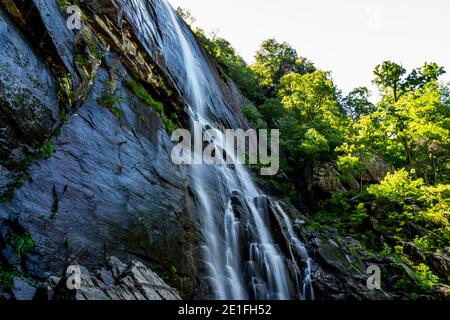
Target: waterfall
point(242, 258)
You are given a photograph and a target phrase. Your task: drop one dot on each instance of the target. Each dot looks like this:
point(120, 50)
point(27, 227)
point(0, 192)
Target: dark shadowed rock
point(28, 99)
point(339, 269)
point(441, 263)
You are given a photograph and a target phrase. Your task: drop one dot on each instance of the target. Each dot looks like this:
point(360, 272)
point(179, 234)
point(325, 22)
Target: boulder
point(378, 168)
point(326, 178)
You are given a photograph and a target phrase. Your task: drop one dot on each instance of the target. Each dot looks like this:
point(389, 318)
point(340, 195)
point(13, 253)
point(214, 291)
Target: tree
point(313, 97)
point(390, 78)
point(232, 64)
point(357, 103)
point(274, 60)
point(313, 119)
point(412, 132)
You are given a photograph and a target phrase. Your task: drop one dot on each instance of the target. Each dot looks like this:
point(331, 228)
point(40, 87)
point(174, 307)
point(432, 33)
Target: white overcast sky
point(347, 37)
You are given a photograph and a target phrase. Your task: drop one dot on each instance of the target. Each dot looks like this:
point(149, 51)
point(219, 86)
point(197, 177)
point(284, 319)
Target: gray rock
point(10, 255)
point(326, 177)
point(135, 282)
point(22, 290)
point(378, 168)
point(339, 268)
point(107, 277)
point(117, 266)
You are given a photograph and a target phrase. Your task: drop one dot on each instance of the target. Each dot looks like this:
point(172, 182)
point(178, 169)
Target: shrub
point(81, 60)
point(314, 143)
point(399, 188)
point(7, 277)
point(398, 250)
point(47, 149)
point(424, 277)
point(65, 88)
point(359, 214)
point(23, 244)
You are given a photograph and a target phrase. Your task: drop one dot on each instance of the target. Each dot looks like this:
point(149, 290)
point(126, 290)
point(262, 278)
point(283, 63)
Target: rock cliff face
point(109, 187)
point(85, 169)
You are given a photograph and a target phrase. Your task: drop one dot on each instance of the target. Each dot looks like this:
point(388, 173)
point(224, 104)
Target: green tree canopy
point(274, 60)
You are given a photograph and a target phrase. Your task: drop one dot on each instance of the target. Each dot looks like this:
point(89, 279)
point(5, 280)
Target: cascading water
point(242, 259)
point(305, 283)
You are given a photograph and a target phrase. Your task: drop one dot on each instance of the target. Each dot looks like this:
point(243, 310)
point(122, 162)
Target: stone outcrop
point(115, 281)
point(22, 290)
point(326, 178)
point(378, 168)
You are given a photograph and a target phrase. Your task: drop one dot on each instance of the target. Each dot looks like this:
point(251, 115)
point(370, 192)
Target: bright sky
point(347, 37)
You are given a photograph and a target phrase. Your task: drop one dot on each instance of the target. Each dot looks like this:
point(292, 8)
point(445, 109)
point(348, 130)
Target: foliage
point(410, 200)
point(350, 161)
point(81, 60)
point(255, 117)
point(399, 187)
point(110, 102)
point(46, 149)
point(359, 215)
point(275, 60)
point(142, 94)
point(7, 277)
point(232, 64)
point(312, 118)
point(357, 103)
point(186, 15)
point(23, 243)
point(168, 124)
point(412, 132)
point(173, 270)
point(424, 277)
point(65, 88)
